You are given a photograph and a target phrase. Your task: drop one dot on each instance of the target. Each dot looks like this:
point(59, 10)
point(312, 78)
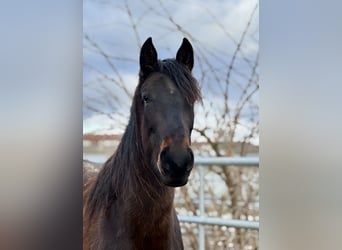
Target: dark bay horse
point(129, 203)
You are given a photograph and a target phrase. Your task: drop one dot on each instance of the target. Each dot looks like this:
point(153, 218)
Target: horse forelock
point(180, 76)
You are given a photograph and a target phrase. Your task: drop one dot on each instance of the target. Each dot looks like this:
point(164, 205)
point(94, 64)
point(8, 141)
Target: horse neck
point(142, 198)
point(144, 187)
point(133, 175)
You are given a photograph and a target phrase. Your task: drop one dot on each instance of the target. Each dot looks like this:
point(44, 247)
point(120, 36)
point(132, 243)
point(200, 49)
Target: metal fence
point(202, 219)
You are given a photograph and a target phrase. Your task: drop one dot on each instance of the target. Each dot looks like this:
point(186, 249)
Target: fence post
point(201, 237)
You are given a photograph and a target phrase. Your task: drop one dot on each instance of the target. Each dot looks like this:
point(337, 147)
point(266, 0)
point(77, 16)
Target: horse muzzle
point(175, 165)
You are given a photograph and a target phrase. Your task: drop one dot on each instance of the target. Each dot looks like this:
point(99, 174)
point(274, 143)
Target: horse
point(129, 203)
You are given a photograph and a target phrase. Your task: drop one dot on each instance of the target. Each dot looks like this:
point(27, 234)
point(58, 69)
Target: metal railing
point(201, 219)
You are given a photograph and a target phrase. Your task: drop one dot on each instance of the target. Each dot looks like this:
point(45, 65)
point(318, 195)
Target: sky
point(213, 27)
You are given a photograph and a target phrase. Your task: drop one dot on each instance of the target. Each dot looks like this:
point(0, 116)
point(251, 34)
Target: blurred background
point(225, 38)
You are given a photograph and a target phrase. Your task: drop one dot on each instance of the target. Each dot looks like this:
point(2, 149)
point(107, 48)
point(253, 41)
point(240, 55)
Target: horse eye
point(146, 99)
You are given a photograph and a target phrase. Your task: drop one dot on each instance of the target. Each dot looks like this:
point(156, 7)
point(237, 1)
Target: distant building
point(101, 142)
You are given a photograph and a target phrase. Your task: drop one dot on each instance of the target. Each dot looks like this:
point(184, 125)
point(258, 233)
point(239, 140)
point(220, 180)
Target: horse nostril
point(191, 154)
point(191, 160)
point(163, 154)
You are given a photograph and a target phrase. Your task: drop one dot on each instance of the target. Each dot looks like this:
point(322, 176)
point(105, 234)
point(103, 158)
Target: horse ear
point(148, 57)
point(185, 54)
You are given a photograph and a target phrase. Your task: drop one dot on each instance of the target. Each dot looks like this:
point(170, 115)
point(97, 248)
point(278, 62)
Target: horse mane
point(116, 175)
point(113, 177)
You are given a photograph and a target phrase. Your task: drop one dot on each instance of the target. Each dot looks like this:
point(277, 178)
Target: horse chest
point(145, 227)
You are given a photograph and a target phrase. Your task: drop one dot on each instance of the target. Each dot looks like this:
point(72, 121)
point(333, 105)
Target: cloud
point(110, 24)
point(103, 124)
